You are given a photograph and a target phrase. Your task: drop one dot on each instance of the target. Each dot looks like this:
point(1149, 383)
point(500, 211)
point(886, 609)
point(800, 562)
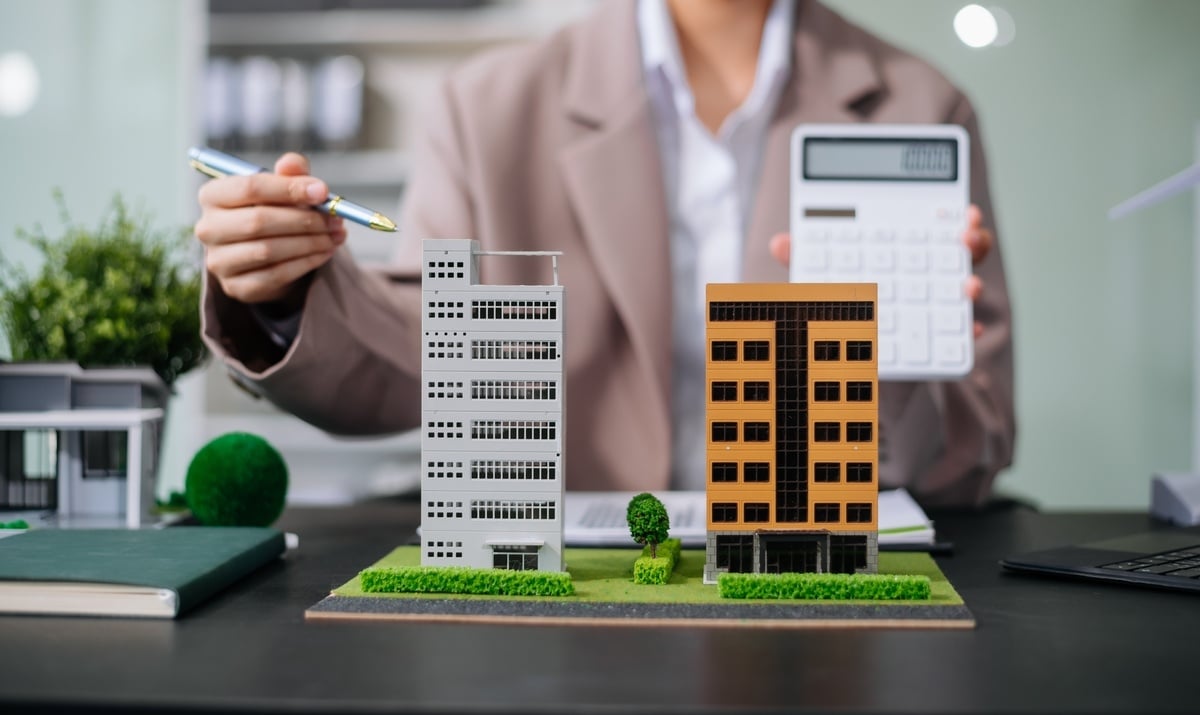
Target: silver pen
point(215, 164)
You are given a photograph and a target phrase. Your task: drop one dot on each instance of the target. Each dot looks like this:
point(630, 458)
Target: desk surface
point(1041, 645)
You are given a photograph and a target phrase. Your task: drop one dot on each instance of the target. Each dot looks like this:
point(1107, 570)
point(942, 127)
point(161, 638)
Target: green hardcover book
point(154, 573)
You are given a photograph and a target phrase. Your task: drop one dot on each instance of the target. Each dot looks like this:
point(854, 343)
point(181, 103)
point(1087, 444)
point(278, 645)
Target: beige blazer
point(551, 146)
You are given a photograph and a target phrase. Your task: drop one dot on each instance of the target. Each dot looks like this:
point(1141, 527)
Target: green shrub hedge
point(651, 572)
point(657, 571)
point(824, 586)
point(461, 579)
point(671, 549)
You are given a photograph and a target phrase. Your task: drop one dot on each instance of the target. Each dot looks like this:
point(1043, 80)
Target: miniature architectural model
point(492, 412)
point(79, 446)
point(792, 428)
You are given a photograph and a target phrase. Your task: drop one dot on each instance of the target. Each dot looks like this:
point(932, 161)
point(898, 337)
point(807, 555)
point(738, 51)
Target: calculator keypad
point(926, 328)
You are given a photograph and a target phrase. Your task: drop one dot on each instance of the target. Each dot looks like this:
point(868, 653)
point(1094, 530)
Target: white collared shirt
point(710, 184)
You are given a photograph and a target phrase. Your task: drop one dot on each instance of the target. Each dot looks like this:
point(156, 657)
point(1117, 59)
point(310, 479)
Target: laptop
point(1169, 558)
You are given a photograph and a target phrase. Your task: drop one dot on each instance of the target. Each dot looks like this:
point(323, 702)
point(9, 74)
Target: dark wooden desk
point(1041, 646)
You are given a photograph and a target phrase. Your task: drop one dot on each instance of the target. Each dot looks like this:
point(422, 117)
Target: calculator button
point(916, 236)
point(949, 320)
point(913, 260)
point(883, 235)
point(887, 319)
point(913, 338)
point(948, 260)
point(914, 351)
point(947, 291)
point(945, 236)
point(814, 259)
point(914, 291)
point(949, 352)
point(849, 235)
point(881, 259)
point(887, 352)
point(887, 290)
point(846, 259)
point(817, 235)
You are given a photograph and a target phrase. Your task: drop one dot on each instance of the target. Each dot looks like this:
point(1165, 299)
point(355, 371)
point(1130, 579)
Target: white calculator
point(886, 204)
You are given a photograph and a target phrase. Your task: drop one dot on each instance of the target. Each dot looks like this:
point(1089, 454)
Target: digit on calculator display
point(880, 159)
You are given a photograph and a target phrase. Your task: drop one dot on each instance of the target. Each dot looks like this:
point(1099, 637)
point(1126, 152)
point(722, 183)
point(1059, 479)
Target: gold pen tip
point(379, 222)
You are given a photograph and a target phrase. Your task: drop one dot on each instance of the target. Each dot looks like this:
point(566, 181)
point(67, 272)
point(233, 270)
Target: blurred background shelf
point(461, 25)
point(369, 168)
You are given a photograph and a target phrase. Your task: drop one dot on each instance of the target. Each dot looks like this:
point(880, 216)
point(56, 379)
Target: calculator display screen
point(880, 159)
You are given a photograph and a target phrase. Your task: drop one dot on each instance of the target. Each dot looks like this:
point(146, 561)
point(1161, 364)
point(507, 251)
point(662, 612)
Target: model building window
point(509, 509)
point(858, 472)
point(756, 472)
point(756, 391)
point(513, 430)
point(513, 390)
point(756, 351)
point(29, 469)
point(514, 350)
point(827, 350)
point(858, 431)
point(735, 553)
point(724, 431)
point(756, 513)
point(858, 391)
point(514, 310)
point(513, 469)
point(847, 554)
point(827, 391)
point(723, 350)
point(104, 454)
point(515, 558)
point(724, 391)
point(858, 513)
point(724, 513)
point(827, 472)
point(827, 513)
point(827, 432)
point(858, 349)
point(724, 471)
point(757, 432)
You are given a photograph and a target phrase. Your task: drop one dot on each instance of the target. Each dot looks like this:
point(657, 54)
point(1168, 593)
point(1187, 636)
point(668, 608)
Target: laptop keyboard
point(1183, 563)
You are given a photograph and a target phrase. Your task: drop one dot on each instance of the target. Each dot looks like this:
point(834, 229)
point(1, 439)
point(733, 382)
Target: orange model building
point(793, 422)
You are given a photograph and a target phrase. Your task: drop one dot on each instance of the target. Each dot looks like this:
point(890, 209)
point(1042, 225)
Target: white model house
point(492, 453)
point(79, 447)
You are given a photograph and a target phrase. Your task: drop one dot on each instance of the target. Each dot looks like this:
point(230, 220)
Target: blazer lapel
point(832, 74)
point(614, 182)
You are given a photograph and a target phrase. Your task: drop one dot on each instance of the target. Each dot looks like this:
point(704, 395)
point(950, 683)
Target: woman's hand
point(260, 233)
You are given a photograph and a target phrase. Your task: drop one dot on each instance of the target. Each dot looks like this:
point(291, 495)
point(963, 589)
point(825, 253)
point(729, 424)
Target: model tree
point(648, 521)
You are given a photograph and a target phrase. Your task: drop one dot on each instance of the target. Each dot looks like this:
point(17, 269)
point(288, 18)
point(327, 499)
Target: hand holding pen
point(215, 165)
point(260, 231)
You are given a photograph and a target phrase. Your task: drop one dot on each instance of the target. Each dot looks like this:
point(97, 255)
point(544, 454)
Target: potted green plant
point(120, 294)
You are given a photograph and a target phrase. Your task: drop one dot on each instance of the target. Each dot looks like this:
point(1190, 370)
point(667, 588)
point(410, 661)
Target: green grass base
point(606, 576)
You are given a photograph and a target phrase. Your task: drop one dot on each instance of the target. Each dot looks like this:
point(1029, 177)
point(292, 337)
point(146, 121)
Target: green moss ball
point(238, 479)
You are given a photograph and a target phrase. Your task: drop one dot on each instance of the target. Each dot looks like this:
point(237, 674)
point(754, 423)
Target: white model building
point(79, 447)
point(492, 454)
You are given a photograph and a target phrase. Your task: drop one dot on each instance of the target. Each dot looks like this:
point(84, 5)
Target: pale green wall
point(115, 113)
point(1092, 101)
